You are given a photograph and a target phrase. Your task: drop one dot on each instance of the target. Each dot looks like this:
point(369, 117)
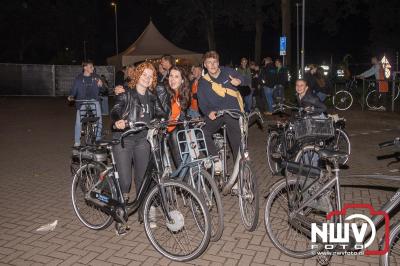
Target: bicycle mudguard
point(303, 170)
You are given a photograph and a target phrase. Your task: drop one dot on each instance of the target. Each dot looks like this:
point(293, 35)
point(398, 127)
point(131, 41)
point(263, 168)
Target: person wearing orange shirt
point(179, 91)
point(193, 111)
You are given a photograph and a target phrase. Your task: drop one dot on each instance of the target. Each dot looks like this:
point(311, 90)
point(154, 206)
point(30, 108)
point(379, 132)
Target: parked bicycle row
point(182, 166)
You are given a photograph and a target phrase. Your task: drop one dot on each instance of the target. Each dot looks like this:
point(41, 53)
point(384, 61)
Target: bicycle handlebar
point(234, 113)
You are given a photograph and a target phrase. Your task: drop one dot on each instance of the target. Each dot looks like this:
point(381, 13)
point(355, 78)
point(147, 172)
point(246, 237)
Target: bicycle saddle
point(329, 154)
point(104, 143)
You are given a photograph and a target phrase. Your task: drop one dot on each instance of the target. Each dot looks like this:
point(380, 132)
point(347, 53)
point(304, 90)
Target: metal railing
point(43, 80)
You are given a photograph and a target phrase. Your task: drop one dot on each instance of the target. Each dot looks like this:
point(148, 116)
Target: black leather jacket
point(163, 97)
point(127, 106)
point(311, 100)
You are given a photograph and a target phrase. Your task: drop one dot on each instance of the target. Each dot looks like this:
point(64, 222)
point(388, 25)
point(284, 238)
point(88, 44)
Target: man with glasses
point(87, 86)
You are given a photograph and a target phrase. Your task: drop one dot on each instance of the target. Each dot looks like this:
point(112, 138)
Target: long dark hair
point(183, 90)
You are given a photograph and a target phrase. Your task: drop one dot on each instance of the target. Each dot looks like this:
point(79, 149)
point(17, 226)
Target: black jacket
point(281, 77)
point(127, 106)
point(311, 100)
point(267, 75)
point(164, 98)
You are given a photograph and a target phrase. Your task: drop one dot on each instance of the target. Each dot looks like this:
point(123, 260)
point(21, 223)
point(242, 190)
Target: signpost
point(282, 48)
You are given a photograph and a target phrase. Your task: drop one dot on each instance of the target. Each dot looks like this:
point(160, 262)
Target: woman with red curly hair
point(136, 103)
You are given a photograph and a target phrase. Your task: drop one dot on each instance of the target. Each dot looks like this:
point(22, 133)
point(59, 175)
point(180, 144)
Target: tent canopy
point(151, 44)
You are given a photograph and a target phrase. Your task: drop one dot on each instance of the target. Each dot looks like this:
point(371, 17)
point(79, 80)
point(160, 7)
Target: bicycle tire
point(342, 97)
point(372, 101)
point(288, 248)
point(272, 162)
point(391, 257)
point(84, 182)
point(308, 156)
point(342, 134)
point(194, 198)
point(213, 201)
point(248, 183)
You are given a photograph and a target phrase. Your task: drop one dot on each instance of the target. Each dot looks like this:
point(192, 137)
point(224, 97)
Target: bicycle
point(193, 170)
point(89, 121)
point(176, 218)
point(242, 174)
point(305, 196)
point(284, 143)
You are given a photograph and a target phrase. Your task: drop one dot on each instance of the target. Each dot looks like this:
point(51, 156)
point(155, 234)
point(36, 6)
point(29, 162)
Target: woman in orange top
point(178, 88)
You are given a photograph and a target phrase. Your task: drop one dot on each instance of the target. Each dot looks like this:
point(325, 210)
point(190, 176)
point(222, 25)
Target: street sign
point(282, 46)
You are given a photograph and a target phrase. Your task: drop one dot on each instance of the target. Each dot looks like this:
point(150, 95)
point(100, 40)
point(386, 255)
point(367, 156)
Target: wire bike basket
point(311, 127)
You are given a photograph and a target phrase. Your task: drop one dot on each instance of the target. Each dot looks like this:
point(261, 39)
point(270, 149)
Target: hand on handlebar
point(71, 98)
point(212, 115)
point(120, 124)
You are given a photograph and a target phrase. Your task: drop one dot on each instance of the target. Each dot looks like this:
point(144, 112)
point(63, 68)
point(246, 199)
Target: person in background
point(87, 86)
point(130, 69)
point(104, 95)
point(281, 81)
point(120, 76)
point(194, 111)
point(255, 84)
point(267, 77)
point(245, 88)
point(166, 63)
point(381, 85)
point(307, 100)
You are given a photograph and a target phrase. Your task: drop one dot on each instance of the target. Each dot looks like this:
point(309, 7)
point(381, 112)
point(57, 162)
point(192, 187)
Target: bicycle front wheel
point(393, 256)
point(342, 100)
point(292, 235)
point(84, 180)
point(205, 185)
point(186, 235)
point(248, 196)
point(274, 148)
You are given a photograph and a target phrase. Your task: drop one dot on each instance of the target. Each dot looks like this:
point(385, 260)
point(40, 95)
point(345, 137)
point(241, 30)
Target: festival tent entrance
point(151, 45)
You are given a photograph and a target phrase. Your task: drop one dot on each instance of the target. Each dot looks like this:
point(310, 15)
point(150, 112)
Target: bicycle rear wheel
point(374, 100)
point(292, 235)
point(340, 142)
point(181, 239)
point(248, 196)
point(84, 180)
point(274, 148)
point(205, 185)
point(342, 100)
point(393, 256)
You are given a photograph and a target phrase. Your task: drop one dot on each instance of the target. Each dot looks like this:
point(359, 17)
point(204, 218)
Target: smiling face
point(175, 79)
point(146, 78)
point(301, 87)
point(243, 62)
point(212, 65)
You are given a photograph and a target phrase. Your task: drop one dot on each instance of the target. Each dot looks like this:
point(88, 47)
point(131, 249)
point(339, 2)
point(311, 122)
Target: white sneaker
point(218, 167)
point(152, 217)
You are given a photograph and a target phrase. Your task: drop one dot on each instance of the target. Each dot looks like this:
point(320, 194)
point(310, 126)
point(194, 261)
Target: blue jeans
point(248, 102)
point(78, 126)
point(268, 96)
point(193, 114)
point(321, 96)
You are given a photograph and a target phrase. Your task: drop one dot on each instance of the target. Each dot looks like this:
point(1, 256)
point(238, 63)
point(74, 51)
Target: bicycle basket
point(192, 142)
point(311, 127)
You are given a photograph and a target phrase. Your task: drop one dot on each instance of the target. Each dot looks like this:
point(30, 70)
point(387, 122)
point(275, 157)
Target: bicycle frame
point(334, 183)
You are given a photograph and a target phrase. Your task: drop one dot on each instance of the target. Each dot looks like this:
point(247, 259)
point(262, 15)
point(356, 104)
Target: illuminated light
point(340, 73)
point(386, 66)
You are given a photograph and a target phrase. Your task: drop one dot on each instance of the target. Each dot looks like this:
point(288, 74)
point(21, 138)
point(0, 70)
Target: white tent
point(150, 45)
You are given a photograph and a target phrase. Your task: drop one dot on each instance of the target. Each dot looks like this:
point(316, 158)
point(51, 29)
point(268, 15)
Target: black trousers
point(135, 155)
point(260, 99)
point(232, 130)
point(173, 147)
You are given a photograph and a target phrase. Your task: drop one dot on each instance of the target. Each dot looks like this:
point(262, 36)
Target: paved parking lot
point(36, 135)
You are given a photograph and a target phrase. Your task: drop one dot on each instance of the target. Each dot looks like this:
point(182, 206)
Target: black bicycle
point(89, 120)
point(176, 218)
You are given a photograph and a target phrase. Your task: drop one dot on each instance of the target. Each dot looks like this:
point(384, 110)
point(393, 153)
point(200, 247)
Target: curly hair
point(184, 90)
point(135, 75)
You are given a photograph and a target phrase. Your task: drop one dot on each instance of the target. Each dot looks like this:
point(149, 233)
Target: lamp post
point(302, 39)
point(114, 4)
point(298, 40)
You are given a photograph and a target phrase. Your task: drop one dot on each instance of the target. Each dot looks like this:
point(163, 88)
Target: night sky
point(53, 31)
